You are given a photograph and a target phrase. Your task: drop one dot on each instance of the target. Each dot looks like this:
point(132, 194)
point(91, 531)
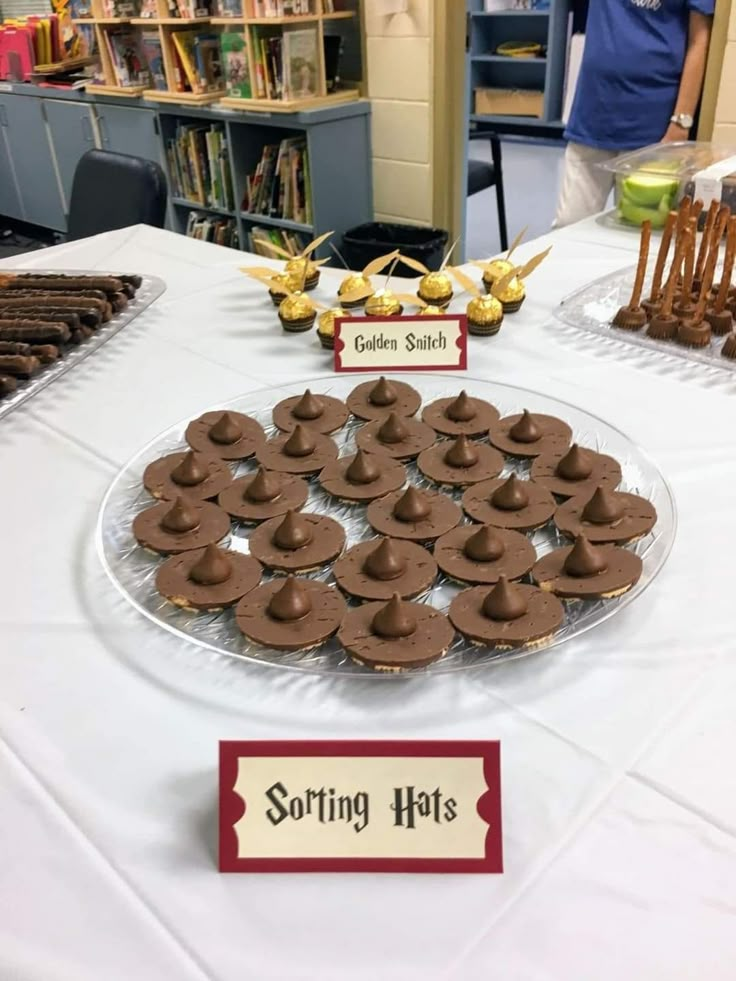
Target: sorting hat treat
point(187, 474)
point(481, 554)
point(263, 495)
point(378, 399)
point(395, 636)
point(290, 614)
point(297, 542)
point(653, 303)
point(224, 433)
point(397, 436)
point(207, 579)
point(378, 568)
point(170, 528)
point(506, 616)
point(586, 571)
point(633, 316)
point(417, 515)
point(301, 451)
point(719, 314)
point(321, 413)
point(460, 414)
point(509, 502)
point(326, 326)
point(529, 435)
point(459, 462)
point(362, 477)
point(606, 516)
point(574, 471)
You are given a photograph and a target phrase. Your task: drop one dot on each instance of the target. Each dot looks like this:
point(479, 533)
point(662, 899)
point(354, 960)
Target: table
point(619, 794)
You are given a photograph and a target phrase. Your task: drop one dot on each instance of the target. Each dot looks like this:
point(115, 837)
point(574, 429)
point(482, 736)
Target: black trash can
point(366, 242)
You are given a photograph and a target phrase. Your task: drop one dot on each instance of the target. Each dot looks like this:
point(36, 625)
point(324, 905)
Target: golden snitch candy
point(355, 283)
point(485, 315)
point(326, 325)
point(383, 303)
point(435, 288)
point(432, 311)
point(302, 268)
point(512, 295)
point(297, 313)
point(495, 270)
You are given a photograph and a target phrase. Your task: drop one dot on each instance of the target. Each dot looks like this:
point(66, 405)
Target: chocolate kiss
point(392, 430)
point(505, 601)
point(394, 620)
point(584, 559)
point(293, 532)
point(511, 495)
point(300, 443)
point(462, 409)
point(265, 486)
point(525, 430)
point(291, 602)
point(189, 471)
point(574, 465)
point(211, 568)
point(484, 545)
point(363, 469)
point(382, 393)
point(462, 453)
point(412, 506)
point(308, 407)
point(603, 508)
point(226, 430)
point(384, 562)
point(180, 517)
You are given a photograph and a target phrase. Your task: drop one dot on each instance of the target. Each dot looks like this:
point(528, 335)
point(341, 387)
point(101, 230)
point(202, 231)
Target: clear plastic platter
point(133, 570)
point(592, 307)
point(151, 289)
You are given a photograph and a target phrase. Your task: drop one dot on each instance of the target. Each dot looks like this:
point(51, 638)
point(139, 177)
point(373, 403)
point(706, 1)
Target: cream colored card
point(401, 343)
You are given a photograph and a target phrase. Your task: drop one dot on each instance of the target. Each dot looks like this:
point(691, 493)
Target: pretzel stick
point(722, 296)
point(695, 210)
point(641, 268)
point(687, 279)
point(664, 247)
point(683, 214)
point(710, 264)
point(705, 239)
point(669, 290)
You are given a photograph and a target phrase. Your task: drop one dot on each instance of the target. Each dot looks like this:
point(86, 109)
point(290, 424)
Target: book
point(229, 8)
point(149, 9)
point(279, 185)
point(152, 52)
point(199, 167)
point(301, 73)
point(87, 40)
point(80, 8)
point(184, 46)
point(235, 64)
point(211, 228)
point(121, 8)
point(127, 57)
point(208, 61)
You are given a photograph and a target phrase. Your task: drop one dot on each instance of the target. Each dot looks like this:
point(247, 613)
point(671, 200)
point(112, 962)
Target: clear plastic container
point(651, 181)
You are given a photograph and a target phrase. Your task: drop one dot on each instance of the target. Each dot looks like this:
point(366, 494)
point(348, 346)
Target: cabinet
point(70, 127)
point(133, 131)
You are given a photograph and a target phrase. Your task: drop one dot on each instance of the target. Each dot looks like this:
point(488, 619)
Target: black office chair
point(113, 190)
point(482, 174)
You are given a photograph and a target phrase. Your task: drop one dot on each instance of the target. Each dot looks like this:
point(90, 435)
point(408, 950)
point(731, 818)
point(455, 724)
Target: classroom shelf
point(196, 206)
point(290, 226)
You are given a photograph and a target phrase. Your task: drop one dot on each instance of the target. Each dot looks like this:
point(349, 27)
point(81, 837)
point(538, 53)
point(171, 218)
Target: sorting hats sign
point(360, 806)
point(401, 343)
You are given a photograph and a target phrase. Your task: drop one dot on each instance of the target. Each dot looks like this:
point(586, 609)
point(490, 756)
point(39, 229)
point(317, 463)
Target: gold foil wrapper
point(432, 311)
point(295, 269)
point(514, 292)
point(326, 322)
point(485, 310)
point(435, 287)
point(296, 307)
point(355, 281)
point(495, 270)
point(383, 304)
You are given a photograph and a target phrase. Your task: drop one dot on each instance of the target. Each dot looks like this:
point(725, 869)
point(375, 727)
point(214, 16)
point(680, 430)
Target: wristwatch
point(682, 119)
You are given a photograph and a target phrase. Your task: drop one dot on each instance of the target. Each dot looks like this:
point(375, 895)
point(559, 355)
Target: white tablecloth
point(619, 793)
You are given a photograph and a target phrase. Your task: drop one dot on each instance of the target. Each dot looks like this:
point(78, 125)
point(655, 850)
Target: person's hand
point(674, 134)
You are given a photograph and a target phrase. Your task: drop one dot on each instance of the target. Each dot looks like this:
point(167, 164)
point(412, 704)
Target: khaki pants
point(585, 187)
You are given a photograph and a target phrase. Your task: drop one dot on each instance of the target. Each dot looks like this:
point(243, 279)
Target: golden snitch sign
point(360, 806)
point(401, 343)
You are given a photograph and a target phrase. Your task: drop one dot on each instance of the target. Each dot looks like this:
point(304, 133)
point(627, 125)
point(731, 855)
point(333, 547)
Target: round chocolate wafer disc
point(542, 619)
point(482, 415)
point(213, 475)
point(433, 464)
point(635, 519)
point(623, 570)
point(578, 461)
point(387, 475)
point(327, 609)
point(416, 569)
point(539, 508)
point(292, 495)
point(554, 435)
point(418, 437)
point(321, 413)
point(273, 456)
point(443, 515)
point(428, 642)
point(228, 445)
point(174, 583)
point(516, 559)
point(401, 399)
point(326, 541)
point(213, 524)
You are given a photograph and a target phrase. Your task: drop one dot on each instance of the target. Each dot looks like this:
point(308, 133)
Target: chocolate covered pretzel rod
point(18, 365)
point(15, 347)
point(46, 353)
point(7, 385)
point(34, 332)
point(633, 316)
point(88, 315)
point(61, 299)
point(63, 284)
point(664, 248)
point(68, 317)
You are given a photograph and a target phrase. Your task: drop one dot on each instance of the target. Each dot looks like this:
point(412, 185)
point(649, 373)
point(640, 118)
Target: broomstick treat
point(719, 315)
point(695, 331)
point(654, 302)
point(710, 221)
point(633, 316)
point(663, 325)
point(684, 305)
point(495, 269)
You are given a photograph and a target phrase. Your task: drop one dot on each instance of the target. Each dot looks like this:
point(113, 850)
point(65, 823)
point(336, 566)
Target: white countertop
point(619, 795)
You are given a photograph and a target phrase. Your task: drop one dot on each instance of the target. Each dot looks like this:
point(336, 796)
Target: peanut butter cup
point(290, 614)
point(376, 569)
point(301, 451)
point(417, 515)
point(263, 495)
point(362, 477)
point(587, 571)
point(170, 528)
point(460, 414)
point(395, 636)
point(575, 471)
point(506, 616)
point(207, 579)
point(224, 433)
point(509, 502)
point(376, 399)
point(297, 542)
point(188, 474)
point(459, 462)
point(480, 554)
point(396, 436)
point(322, 413)
point(606, 516)
point(530, 434)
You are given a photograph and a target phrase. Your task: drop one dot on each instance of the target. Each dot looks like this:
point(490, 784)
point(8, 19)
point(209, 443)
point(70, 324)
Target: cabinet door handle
point(3, 116)
point(103, 130)
point(87, 130)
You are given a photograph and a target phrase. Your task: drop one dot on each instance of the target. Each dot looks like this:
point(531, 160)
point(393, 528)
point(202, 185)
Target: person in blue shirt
point(639, 83)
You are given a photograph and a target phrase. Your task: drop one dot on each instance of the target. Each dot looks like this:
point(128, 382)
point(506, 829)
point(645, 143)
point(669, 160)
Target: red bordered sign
point(401, 343)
